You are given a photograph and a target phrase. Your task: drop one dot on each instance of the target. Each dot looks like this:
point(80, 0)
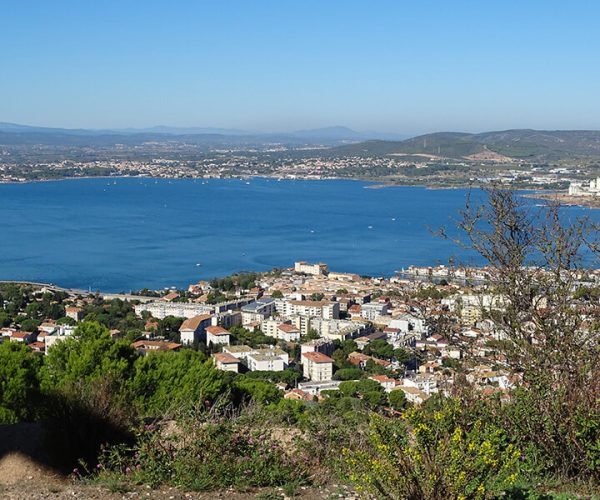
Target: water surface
point(124, 234)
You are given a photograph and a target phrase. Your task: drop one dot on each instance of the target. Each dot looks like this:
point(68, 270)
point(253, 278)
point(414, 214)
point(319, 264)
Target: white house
point(194, 329)
point(226, 362)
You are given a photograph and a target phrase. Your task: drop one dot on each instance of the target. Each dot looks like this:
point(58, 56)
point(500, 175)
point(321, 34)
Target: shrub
point(204, 456)
point(433, 455)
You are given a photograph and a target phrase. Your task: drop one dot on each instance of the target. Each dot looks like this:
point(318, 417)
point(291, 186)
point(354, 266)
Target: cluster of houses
point(308, 311)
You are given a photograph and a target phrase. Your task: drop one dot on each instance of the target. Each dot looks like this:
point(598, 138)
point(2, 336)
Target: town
point(308, 330)
point(284, 163)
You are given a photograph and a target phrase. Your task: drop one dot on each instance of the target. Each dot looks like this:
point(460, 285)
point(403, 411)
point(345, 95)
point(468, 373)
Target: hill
point(519, 144)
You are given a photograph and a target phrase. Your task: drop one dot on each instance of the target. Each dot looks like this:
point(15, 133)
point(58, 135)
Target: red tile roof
point(317, 357)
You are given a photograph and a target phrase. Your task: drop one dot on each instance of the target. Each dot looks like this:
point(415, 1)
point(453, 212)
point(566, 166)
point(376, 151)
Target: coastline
point(551, 196)
point(565, 200)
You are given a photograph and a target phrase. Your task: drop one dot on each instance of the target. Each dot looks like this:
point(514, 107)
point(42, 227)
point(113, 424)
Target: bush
point(203, 456)
point(433, 455)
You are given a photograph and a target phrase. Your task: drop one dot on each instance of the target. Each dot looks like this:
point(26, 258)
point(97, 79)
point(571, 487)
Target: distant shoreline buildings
point(579, 189)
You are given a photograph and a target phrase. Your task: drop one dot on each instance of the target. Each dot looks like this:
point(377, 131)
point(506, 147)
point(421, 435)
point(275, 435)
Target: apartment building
point(317, 366)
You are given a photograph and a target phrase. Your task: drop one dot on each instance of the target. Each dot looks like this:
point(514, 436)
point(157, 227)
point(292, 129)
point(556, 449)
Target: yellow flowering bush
point(433, 455)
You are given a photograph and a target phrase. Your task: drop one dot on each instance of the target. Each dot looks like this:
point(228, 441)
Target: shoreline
point(372, 183)
point(561, 198)
point(565, 200)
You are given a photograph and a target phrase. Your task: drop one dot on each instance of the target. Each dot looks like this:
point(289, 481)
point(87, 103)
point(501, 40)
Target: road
point(75, 291)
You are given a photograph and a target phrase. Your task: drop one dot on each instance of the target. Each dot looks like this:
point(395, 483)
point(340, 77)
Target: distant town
point(557, 164)
point(414, 332)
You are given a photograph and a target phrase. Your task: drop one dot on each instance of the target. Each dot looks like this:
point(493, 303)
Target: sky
point(396, 66)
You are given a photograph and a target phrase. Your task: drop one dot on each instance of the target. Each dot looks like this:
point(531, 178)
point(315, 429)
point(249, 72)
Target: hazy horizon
point(283, 132)
point(278, 67)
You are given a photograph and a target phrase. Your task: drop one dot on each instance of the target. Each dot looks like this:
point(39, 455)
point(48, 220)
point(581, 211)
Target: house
point(50, 340)
point(194, 329)
point(363, 341)
point(75, 313)
point(273, 360)
point(170, 296)
point(48, 327)
point(146, 346)
point(298, 395)
point(37, 346)
point(26, 337)
point(288, 332)
point(354, 311)
point(424, 382)
point(358, 359)
point(240, 352)
point(217, 335)
point(226, 362)
point(388, 383)
point(314, 388)
point(413, 395)
point(317, 366)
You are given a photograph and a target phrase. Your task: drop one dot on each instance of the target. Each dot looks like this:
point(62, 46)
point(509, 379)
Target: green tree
point(260, 391)
point(19, 382)
point(380, 349)
point(89, 355)
point(66, 320)
point(172, 381)
point(397, 400)
point(348, 374)
point(4, 319)
point(30, 325)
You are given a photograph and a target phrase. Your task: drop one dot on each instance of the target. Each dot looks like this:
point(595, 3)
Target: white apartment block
point(162, 309)
point(371, 310)
point(317, 366)
point(282, 331)
point(311, 308)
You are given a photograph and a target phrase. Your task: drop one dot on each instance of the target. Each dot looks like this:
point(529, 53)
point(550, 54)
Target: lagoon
point(129, 233)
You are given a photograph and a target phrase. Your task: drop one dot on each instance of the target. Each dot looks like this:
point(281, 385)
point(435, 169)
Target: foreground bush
point(203, 456)
point(434, 455)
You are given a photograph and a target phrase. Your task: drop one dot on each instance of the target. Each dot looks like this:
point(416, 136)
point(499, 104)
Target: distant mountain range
point(508, 145)
point(12, 133)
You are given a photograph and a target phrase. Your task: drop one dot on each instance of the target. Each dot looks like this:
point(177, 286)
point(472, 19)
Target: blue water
point(151, 233)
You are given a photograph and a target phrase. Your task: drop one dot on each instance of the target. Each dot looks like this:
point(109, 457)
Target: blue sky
point(399, 66)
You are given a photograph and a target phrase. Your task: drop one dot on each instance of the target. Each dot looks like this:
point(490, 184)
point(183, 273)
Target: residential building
point(257, 310)
point(217, 335)
point(314, 269)
point(194, 329)
point(317, 366)
point(311, 308)
point(372, 310)
point(226, 362)
point(160, 309)
point(146, 346)
point(240, 352)
point(75, 313)
point(323, 346)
